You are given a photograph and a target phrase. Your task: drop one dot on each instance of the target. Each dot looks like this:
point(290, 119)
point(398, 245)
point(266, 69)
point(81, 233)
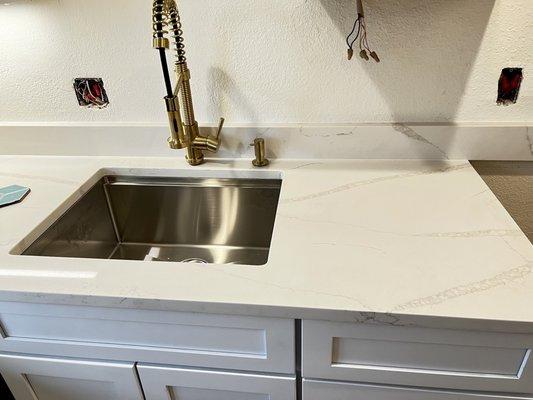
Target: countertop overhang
point(388, 241)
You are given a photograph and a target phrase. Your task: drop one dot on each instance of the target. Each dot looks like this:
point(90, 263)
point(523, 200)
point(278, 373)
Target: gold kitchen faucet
point(184, 132)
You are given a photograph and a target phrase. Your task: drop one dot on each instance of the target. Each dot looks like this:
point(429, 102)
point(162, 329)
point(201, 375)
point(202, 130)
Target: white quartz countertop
point(353, 240)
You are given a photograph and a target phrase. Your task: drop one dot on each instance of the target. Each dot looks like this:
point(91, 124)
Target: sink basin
point(197, 220)
point(512, 183)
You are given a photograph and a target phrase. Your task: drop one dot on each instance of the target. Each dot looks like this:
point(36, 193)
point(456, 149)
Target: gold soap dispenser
point(260, 153)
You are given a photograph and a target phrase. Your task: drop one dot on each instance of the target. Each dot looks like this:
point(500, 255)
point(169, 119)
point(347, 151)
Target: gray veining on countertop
point(370, 241)
point(529, 138)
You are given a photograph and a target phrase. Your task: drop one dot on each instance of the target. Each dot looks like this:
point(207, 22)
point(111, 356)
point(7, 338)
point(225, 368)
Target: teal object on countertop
point(12, 194)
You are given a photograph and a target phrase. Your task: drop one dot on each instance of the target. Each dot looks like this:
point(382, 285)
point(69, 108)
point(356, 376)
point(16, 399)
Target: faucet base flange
point(194, 156)
point(195, 162)
point(259, 164)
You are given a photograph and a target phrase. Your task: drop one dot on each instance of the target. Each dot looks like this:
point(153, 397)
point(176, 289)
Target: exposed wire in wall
point(90, 92)
point(359, 34)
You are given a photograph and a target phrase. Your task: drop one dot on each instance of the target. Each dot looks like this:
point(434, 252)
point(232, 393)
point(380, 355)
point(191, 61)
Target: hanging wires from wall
point(359, 34)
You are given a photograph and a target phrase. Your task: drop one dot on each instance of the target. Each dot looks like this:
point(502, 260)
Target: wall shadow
point(427, 50)
point(225, 95)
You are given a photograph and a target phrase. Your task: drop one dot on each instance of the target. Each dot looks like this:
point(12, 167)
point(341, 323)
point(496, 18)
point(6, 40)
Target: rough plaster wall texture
point(270, 61)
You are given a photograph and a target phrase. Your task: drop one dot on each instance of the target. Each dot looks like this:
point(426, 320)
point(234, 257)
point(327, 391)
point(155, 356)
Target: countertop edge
point(269, 311)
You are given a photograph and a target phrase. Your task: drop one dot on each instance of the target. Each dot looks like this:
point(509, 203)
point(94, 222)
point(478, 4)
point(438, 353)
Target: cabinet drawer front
point(206, 340)
point(320, 390)
point(418, 356)
point(163, 383)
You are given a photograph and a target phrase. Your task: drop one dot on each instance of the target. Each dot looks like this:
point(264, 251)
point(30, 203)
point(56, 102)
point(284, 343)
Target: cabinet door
point(37, 378)
point(163, 383)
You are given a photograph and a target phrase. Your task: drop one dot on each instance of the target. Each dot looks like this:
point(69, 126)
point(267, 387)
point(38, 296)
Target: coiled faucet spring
point(177, 33)
point(159, 20)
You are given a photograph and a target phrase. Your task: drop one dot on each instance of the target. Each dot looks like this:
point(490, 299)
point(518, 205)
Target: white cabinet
point(58, 336)
point(163, 383)
point(194, 356)
point(39, 378)
point(322, 390)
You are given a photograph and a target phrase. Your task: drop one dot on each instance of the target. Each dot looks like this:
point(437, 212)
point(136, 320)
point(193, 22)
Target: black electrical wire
point(356, 26)
point(166, 74)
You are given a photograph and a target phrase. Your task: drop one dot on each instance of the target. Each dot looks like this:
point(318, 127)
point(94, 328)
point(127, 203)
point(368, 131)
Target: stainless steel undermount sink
point(200, 220)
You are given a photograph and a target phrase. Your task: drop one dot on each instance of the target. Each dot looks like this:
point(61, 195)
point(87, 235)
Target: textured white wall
point(270, 61)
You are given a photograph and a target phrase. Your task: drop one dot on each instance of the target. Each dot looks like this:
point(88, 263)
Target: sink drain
point(194, 261)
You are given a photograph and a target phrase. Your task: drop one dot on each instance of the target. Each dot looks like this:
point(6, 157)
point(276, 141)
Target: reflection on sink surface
point(512, 183)
point(196, 220)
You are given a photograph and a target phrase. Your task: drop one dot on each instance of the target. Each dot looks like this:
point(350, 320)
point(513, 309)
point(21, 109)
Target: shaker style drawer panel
point(163, 383)
point(418, 357)
point(320, 390)
point(218, 341)
point(428, 356)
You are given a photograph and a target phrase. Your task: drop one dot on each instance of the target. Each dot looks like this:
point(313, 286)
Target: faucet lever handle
point(209, 143)
point(220, 126)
